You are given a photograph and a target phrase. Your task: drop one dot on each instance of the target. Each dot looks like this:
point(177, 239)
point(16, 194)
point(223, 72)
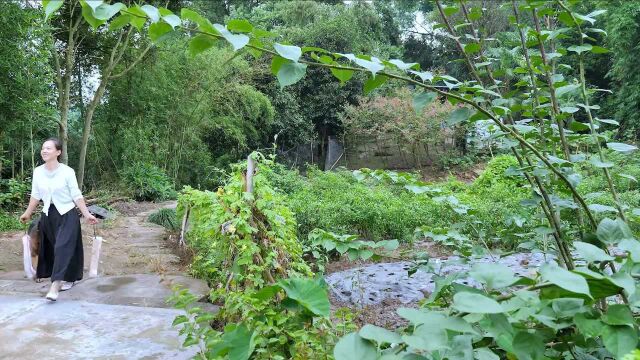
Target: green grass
point(166, 218)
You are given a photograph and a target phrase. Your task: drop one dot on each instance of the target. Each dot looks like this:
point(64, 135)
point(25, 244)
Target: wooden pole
point(183, 229)
point(251, 167)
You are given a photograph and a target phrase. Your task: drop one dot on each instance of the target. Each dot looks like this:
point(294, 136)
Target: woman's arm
point(33, 203)
point(85, 211)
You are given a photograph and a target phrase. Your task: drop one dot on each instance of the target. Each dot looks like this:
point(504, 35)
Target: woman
point(61, 256)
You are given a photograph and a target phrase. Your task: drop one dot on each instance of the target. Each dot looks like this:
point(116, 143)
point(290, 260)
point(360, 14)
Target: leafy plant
point(324, 245)
point(14, 194)
point(246, 247)
point(147, 182)
point(166, 218)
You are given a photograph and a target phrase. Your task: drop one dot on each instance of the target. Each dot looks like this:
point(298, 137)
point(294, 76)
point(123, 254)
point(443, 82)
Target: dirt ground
point(131, 245)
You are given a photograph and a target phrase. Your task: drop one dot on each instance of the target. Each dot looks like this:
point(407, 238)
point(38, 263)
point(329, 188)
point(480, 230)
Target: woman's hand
point(90, 218)
point(24, 218)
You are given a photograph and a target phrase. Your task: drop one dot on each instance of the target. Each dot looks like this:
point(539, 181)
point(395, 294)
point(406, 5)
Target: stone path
point(118, 316)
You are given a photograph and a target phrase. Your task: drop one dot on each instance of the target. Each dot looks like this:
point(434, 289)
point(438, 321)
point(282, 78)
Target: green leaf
point(599, 50)
point(424, 75)
point(203, 23)
point(180, 319)
point(292, 53)
point(373, 83)
point(591, 253)
point(342, 75)
point(566, 89)
point(472, 48)
point(266, 293)
point(353, 347)
point(564, 279)
point(276, 64)
point(238, 41)
point(608, 121)
point(388, 244)
point(631, 246)
point(172, 20)
point(51, 6)
point(87, 14)
point(402, 65)
point(422, 99)
point(158, 31)
point(152, 12)
point(307, 293)
point(619, 340)
point(602, 208)
point(119, 22)
point(379, 335)
point(624, 280)
point(140, 19)
point(587, 327)
point(485, 354)
point(461, 348)
point(619, 314)
point(567, 307)
point(475, 303)
point(580, 48)
point(200, 43)
point(93, 4)
point(595, 161)
point(290, 73)
point(569, 109)
point(239, 25)
point(450, 10)
point(239, 340)
point(621, 147)
point(613, 231)
point(527, 346)
point(459, 115)
point(627, 176)
point(495, 276)
point(428, 338)
point(372, 66)
point(106, 11)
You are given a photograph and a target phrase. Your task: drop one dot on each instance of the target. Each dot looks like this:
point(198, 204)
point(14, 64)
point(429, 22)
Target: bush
point(9, 222)
point(147, 182)
point(14, 194)
point(337, 202)
point(166, 218)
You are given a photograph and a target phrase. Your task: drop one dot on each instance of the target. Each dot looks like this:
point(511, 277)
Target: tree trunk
point(86, 132)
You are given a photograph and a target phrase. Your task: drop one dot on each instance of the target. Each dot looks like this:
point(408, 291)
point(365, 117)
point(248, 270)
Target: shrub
point(14, 194)
point(166, 218)
point(147, 182)
point(9, 222)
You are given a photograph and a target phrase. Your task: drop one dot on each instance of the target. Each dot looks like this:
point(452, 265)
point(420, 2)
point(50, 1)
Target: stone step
point(143, 290)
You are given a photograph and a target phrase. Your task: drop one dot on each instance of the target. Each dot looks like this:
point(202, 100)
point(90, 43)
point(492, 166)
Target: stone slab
point(32, 328)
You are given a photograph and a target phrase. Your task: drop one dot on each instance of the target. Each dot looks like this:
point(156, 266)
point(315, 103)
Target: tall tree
point(115, 57)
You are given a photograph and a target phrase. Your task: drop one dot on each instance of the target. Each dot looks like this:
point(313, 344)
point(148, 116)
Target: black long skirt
point(61, 256)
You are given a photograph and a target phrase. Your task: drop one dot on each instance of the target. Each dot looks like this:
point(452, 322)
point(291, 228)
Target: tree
point(25, 80)
point(72, 25)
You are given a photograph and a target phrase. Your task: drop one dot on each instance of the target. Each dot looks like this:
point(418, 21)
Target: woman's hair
point(56, 142)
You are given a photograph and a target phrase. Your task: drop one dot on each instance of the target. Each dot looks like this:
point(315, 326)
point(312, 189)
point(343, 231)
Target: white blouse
point(59, 187)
